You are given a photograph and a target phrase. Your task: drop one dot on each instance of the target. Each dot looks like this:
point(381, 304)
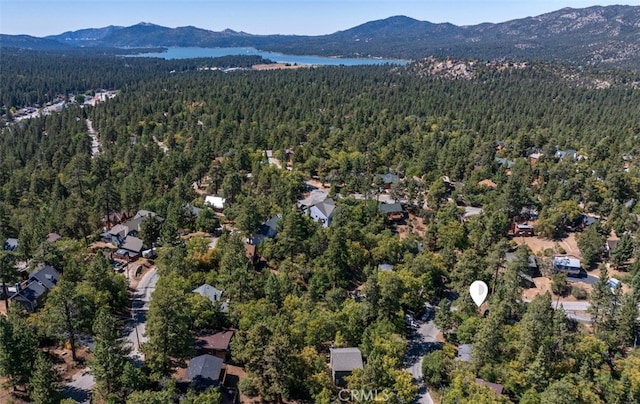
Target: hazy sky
point(310, 17)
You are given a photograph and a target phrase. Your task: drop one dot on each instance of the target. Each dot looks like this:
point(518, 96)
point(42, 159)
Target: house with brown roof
point(488, 183)
point(215, 343)
point(497, 388)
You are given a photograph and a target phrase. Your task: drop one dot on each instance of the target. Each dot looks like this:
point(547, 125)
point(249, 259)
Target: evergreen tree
point(8, 274)
point(109, 355)
point(44, 386)
point(66, 313)
point(623, 251)
point(169, 331)
point(18, 348)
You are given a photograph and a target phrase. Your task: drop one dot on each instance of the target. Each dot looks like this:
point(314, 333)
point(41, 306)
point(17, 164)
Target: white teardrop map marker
point(478, 291)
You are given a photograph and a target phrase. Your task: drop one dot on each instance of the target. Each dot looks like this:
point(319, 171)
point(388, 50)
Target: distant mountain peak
point(608, 35)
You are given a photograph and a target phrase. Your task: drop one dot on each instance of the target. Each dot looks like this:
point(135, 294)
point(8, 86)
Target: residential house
point(315, 196)
point(522, 229)
point(497, 388)
point(215, 343)
point(30, 293)
point(318, 206)
point(214, 294)
point(488, 183)
point(568, 153)
point(268, 229)
point(216, 202)
point(568, 265)
point(464, 352)
point(130, 249)
point(53, 237)
point(342, 362)
point(470, 211)
point(205, 371)
point(11, 244)
point(534, 157)
point(610, 245)
point(388, 179)
point(393, 211)
point(323, 212)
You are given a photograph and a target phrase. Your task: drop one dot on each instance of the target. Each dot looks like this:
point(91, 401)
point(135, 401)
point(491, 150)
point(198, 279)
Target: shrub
point(578, 292)
point(247, 387)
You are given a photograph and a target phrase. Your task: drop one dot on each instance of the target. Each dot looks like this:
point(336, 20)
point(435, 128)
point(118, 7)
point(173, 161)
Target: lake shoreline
point(196, 52)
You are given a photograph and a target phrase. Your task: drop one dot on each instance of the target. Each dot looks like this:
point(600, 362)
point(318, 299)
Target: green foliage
point(436, 368)
point(168, 329)
point(559, 284)
point(44, 385)
point(67, 312)
point(109, 355)
point(18, 348)
point(578, 292)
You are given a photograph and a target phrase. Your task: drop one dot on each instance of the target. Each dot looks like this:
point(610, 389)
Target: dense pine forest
point(175, 132)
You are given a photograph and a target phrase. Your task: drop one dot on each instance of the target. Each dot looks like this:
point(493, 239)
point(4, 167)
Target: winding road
point(422, 341)
point(139, 308)
point(95, 143)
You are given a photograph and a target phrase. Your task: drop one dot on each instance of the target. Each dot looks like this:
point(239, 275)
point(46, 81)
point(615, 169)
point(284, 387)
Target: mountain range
point(596, 35)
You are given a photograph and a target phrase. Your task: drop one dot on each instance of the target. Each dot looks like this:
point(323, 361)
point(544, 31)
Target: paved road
point(95, 143)
point(589, 279)
point(139, 307)
point(79, 389)
point(422, 340)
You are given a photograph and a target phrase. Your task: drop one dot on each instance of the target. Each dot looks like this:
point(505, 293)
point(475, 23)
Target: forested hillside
point(174, 133)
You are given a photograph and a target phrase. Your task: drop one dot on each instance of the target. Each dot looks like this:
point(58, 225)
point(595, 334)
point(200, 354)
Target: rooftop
point(345, 359)
point(216, 340)
point(214, 294)
point(204, 369)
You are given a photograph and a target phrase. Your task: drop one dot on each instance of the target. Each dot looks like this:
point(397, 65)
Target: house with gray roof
point(323, 211)
point(393, 211)
point(29, 295)
point(11, 244)
point(214, 294)
point(464, 352)
point(205, 371)
point(342, 362)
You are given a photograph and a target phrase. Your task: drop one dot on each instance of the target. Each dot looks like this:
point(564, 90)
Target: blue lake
point(191, 53)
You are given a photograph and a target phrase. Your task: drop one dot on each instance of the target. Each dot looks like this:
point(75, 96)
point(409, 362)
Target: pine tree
point(109, 355)
point(18, 347)
point(601, 304)
point(169, 331)
point(66, 313)
point(626, 321)
point(8, 274)
point(623, 251)
point(44, 386)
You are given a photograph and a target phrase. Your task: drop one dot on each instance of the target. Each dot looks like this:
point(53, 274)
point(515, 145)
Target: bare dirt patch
point(414, 225)
point(543, 285)
point(538, 245)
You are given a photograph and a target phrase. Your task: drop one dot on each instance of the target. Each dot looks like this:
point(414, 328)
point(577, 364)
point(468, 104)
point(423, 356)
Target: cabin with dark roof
point(205, 371)
point(342, 362)
point(31, 292)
